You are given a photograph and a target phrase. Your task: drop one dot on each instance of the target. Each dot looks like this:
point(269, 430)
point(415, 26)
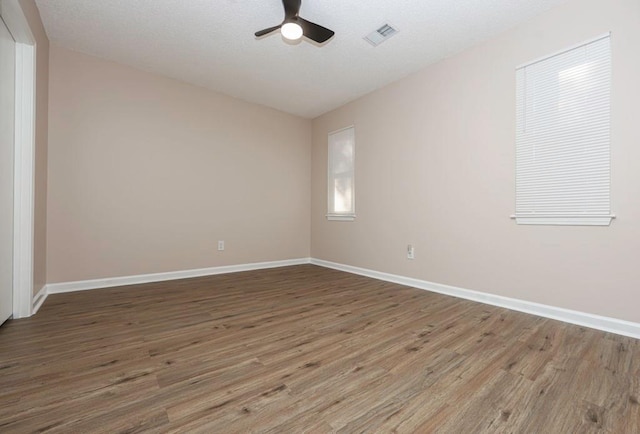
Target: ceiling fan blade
point(291, 8)
point(266, 31)
point(315, 31)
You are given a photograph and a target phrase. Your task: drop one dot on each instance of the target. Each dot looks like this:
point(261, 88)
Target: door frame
point(24, 169)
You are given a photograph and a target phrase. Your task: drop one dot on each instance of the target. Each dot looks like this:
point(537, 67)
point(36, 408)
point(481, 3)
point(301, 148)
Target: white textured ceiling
point(210, 43)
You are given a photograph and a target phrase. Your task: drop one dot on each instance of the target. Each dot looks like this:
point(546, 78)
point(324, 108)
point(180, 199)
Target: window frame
point(568, 214)
point(332, 215)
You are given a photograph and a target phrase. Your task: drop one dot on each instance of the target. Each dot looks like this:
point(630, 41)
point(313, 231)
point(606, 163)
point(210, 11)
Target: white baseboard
point(82, 285)
point(607, 324)
point(39, 299)
point(612, 325)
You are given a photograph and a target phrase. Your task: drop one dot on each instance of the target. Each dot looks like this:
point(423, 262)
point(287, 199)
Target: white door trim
point(24, 172)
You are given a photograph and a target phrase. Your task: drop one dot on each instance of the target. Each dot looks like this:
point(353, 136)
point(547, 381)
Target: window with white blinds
point(562, 138)
point(341, 182)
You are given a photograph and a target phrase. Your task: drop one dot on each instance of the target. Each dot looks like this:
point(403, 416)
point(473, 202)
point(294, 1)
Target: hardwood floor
point(307, 349)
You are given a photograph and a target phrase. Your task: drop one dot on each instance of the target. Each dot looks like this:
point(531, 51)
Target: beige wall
point(42, 102)
point(435, 168)
point(146, 174)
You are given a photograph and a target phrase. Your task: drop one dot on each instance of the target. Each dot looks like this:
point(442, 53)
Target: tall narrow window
point(562, 137)
point(341, 193)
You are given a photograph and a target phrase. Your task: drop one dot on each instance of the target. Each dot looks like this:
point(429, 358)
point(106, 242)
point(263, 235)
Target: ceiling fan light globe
point(291, 31)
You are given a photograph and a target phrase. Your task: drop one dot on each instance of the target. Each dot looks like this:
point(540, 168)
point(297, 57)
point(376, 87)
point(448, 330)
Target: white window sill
point(341, 217)
point(564, 220)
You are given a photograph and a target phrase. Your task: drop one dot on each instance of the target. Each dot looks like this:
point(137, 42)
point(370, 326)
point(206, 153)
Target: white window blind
point(341, 192)
point(562, 137)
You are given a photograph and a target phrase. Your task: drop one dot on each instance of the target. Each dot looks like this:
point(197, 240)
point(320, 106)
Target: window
point(562, 137)
point(341, 194)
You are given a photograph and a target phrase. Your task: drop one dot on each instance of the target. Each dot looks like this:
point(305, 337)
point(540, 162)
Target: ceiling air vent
point(376, 37)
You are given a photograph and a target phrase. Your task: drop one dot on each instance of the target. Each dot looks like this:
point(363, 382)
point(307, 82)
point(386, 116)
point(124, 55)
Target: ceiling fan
point(293, 27)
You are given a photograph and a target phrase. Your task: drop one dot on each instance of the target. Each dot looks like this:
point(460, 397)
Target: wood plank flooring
point(307, 349)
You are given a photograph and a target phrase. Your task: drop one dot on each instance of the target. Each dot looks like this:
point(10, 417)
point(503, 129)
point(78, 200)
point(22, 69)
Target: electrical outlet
point(221, 245)
point(410, 252)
